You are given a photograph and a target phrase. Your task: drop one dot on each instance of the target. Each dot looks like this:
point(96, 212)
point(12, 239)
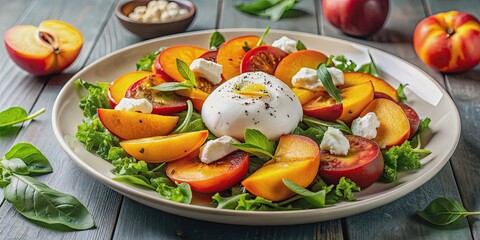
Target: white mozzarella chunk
point(209, 70)
point(366, 126)
point(307, 78)
point(218, 148)
point(286, 44)
point(134, 105)
point(335, 142)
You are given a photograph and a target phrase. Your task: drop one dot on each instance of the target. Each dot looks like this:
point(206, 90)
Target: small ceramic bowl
point(151, 30)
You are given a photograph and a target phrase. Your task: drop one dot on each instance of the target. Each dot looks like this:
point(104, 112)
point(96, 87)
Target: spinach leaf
point(35, 161)
point(15, 165)
point(216, 40)
point(327, 83)
point(317, 199)
point(145, 63)
point(257, 144)
point(135, 180)
point(15, 115)
point(273, 9)
point(37, 201)
point(444, 211)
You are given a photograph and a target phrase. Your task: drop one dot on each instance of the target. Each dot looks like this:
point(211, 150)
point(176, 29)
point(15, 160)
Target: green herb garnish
point(327, 83)
point(260, 41)
point(15, 115)
point(273, 9)
point(216, 40)
point(401, 92)
point(145, 63)
point(300, 46)
point(257, 144)
point(444, 211)
point(185, 71)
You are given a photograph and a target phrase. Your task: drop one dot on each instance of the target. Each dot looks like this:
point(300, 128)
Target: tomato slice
point(363, 164)
point(164, 103)
point(210, 55)
point(209, 178)
point(230, 55)
point(263, 58)
point(166, 62)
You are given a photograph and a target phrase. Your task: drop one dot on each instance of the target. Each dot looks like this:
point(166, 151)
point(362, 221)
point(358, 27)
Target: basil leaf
point(257, 144)
point(260, 41)
point(173, 86)
point(257, 7)
point(15, 115)
point(5, 176)
point(327, 82)
point(276, 12)
point(15, 165)
point(186, 73)
point(443, 211)
point(216, 40)
point(37, 201)
point(400, 92)
point(135, 180)
point(316, 134)
point(317, 199)
point(36, 162)
point(300, 46)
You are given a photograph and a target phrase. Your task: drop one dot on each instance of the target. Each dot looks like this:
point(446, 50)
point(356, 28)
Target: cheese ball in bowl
point(252, 100)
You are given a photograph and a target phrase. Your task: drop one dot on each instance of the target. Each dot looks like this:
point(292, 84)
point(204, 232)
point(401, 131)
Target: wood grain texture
point(402, 19)
point(304, 20)
point(67, 177)
point(465, 90)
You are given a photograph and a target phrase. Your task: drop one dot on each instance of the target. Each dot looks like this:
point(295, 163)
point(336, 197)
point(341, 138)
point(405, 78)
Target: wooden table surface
point(118, 217)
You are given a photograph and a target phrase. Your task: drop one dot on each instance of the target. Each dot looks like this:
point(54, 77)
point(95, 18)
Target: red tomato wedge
point(209, 178)
point(230, 55)
point(292, 63)
point(263, 58)
point(166, 62)
point(164, 103)
point(363, 164)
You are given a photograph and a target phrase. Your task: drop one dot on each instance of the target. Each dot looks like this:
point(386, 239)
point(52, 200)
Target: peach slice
point(323, 107)
point(119, 86)
point(166, 62)
point(379, 85)
point(164, 148)
point(394, 125)
point(231, 54)
point(297, 159)
point(49, 48)
point(291, 64)
point(132, 125)
point(305, 95)
point(354, 99)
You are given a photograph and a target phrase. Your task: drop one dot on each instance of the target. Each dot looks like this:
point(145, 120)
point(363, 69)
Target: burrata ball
point(252, 100)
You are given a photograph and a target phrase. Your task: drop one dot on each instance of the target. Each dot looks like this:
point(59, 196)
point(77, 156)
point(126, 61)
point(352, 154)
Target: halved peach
point(394, 126)
point(164, 148)
point(166, 62)
point(291, 64)
point(379, 85)
point(354, 99)
point(230, 55)
point(297, 159)
point(305, 95)
point(209, 178)
point(132, 125)
point(119, 86)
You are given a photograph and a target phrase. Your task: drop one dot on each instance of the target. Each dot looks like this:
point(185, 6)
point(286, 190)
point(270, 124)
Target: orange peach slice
point(166, 62)
point(165, 148)
point(132, 125)
point(119, 86)
point(297, 159)
point(231, 54)
point(291, 64)
point(379, 85)
point(394, 126)
point(354, 99)
point(305, 95)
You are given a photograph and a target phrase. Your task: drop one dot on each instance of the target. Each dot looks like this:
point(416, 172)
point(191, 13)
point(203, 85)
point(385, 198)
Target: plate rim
point(201, 212)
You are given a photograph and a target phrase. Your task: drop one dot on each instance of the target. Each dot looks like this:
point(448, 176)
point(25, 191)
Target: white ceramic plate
point(424, 94)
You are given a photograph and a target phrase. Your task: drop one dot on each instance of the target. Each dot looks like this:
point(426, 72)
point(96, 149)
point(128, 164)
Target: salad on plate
point(252, 125)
